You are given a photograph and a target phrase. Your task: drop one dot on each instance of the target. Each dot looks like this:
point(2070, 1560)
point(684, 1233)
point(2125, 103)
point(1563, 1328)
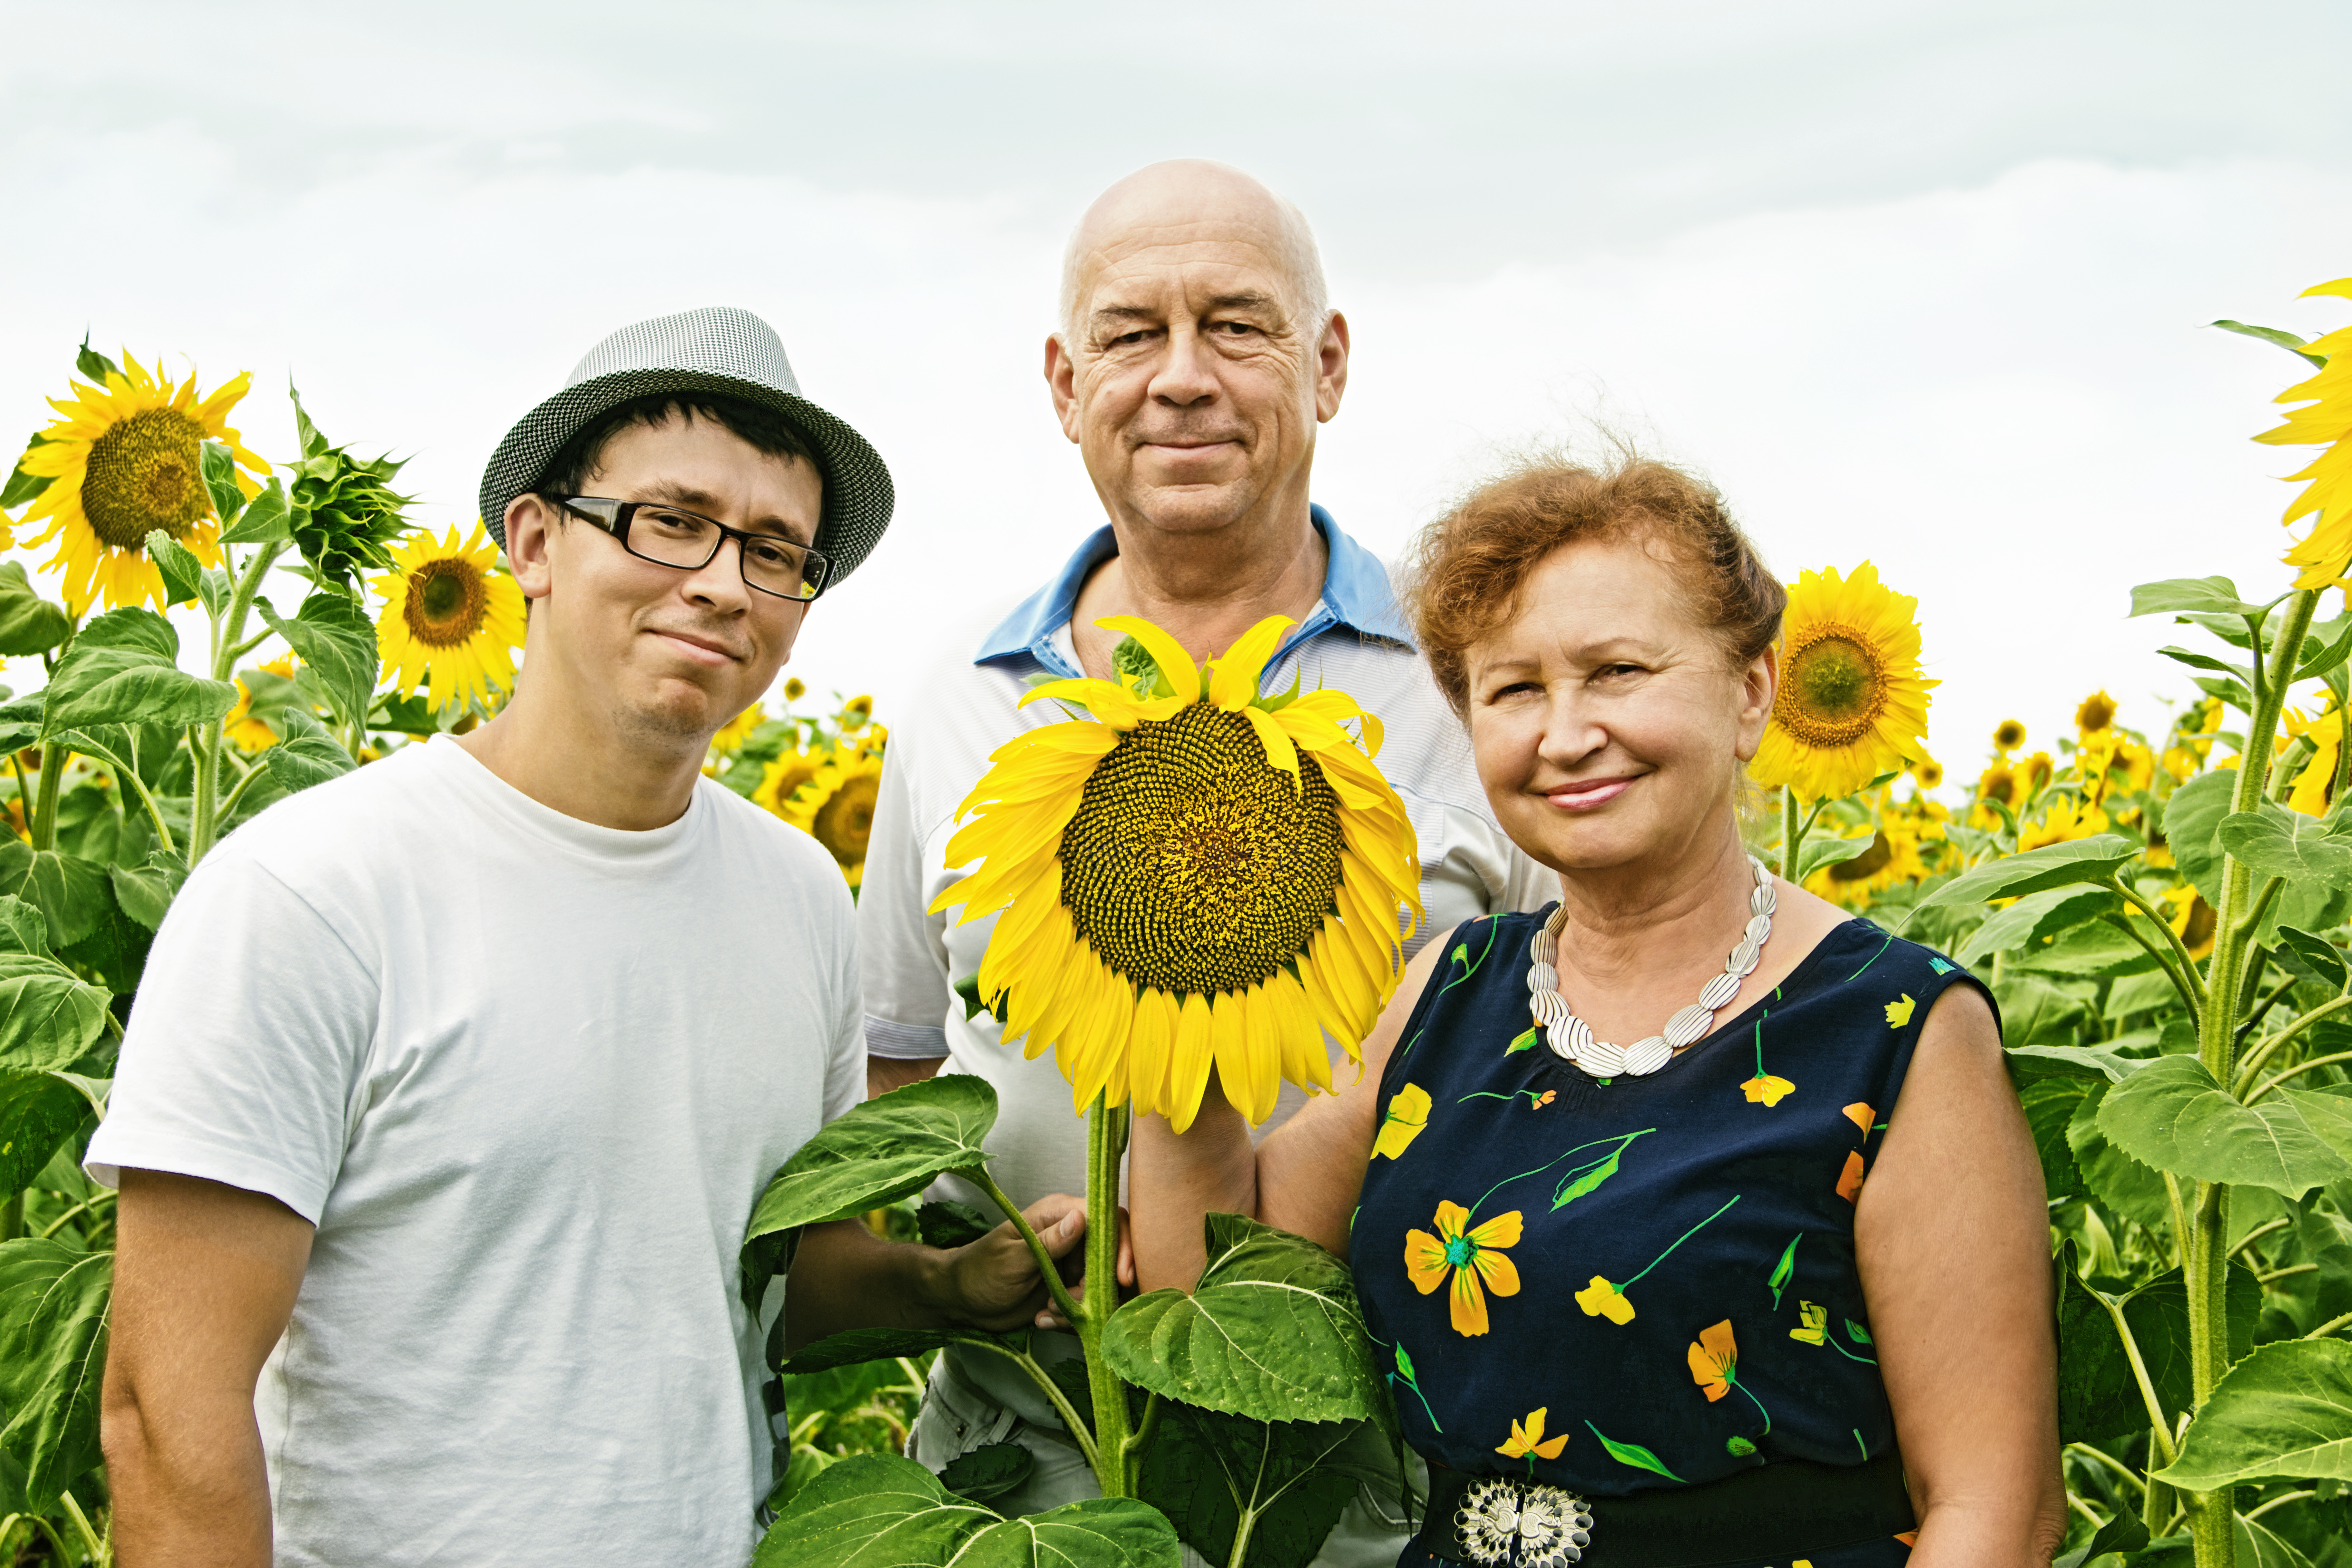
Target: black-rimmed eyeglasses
point(672, 536)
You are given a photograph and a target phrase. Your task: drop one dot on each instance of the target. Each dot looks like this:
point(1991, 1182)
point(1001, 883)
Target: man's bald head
point(1194, 199)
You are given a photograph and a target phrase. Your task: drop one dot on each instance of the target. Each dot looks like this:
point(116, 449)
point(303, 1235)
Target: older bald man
point(1197, 357)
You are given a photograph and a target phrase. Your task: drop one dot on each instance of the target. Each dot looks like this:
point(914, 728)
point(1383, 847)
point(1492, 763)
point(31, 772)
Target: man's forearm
point(844, 1277)
point(193, 1495)
point(883, 1074)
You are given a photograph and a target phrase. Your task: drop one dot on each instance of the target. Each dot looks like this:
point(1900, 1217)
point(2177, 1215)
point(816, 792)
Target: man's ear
point(1331, 368)
point(531, 524)
point(1061, 379)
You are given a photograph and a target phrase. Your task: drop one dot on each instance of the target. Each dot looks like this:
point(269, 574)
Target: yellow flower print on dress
point(1815, 1328)
point(1715, 1367)
point(1766, 1089)
point(1470, 1258)
point(1408, 1114)
point(1527, 1441)
point(1899, 1013)
point(1602, 1300)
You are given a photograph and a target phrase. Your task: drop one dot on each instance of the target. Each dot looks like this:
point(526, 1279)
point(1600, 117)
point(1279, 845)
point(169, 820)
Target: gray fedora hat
point(717, 349)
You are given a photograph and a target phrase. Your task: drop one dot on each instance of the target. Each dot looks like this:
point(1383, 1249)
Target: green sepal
point(95, 367)
point(2285, 340)
point(220, 481)
point(22, 487)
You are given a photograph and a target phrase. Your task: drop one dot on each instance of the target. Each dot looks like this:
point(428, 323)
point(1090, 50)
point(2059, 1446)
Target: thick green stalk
point(2204, 1252)
point(205, 742)
point(1791, 835)
point(43, 824)
point(1106, 1142)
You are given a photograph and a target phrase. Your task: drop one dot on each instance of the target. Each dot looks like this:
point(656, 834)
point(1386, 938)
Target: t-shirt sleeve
point(246, 1043)
point(903, 949)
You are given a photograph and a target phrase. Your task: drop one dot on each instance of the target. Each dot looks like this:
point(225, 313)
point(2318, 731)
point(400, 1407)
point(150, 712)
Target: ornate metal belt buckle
point(1525, 1524)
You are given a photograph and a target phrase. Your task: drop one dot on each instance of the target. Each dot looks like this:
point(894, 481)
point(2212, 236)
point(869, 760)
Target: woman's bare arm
point(1305, 1178)
point(1952, 1236)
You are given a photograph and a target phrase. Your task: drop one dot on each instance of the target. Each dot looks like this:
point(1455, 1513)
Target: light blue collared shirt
point(1356, 596)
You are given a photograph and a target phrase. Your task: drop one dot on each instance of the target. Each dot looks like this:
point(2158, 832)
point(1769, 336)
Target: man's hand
point(843, 1277)
point(205, 1280)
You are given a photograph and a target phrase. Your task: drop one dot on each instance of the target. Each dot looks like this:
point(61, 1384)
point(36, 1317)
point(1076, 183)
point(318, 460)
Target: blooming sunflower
point(127, 458)
point(451, 620)
point(1892, 860)
point(1200, 877)
point(2008, 735)
point(244, 731)
point(1927, 771)
point(2065, 821)
point(2327, 500)
point(835, 806)
point(2315, 785)
point(2095, 712)
point(1853, 704)
point(781, 777)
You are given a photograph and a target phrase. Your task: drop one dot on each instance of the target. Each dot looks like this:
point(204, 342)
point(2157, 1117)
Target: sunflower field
point(2161, 901)
point(152, 734)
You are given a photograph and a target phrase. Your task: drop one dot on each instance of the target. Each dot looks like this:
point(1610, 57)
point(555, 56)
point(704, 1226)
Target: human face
point(668, 655)
point(1189, 380)
point(1607, 722)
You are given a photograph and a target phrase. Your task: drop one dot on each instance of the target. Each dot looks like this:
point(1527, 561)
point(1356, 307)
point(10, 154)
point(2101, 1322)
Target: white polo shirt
point(1354, 640)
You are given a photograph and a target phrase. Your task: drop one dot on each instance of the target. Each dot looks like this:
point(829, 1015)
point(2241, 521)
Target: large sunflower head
point(2326, 421)
point(1197, 876)
point(1852, 704)
point(124, 458)
point(836, 805)
point(451, 620)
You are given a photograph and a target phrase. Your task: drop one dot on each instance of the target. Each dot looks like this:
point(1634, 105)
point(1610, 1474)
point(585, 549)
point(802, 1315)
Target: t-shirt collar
point(1356, 596)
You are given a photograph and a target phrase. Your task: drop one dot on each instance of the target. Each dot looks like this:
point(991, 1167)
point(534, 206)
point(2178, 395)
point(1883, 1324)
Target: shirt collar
point(1356, 596)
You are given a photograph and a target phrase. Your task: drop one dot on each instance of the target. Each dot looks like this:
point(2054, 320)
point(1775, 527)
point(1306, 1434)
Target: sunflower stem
point(205, 742)
point(1063, 1302)
point(1792, 834)
point(43, 824)
point(1106, 1137)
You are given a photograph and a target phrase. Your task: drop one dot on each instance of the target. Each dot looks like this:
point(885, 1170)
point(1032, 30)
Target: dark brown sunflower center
point(1833, 690)
point(2096, 714)
point(846, 821)
point(145, 473)
point(1194, 866)
point(446, 602)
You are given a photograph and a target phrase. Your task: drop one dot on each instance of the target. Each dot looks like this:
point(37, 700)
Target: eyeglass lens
point(682, 539)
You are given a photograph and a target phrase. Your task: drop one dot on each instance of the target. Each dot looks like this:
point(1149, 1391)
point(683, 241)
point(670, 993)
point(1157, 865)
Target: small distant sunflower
point(451, 620)
point(2192, 920)
point(782, 776)
point(1892, 860)
point(2315, 785)
point(2326, 422)
point(2066, 820)
point(1198, 877)
point(856, 713)
point(2095, 714)
point(835, 806)
point(1853, 704)
point(730, 735)
point(244, 731)
point(2008, 735)
point(794, 689)
point(127, 458)
point(1927, 771)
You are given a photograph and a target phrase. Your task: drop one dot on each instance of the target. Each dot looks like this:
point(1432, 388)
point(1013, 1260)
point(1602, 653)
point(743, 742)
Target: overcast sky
point(1923, 283)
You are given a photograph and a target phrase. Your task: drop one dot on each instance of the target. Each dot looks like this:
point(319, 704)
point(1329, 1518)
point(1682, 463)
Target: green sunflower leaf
point(2171, 1115)
point(182, 574)
point(69, 891)
point(875, 1509)
point(2320, 958)
point(22, 927)
point(1825, 851)
point(1632, 1454)
point(306, 754)
point(53, 1322)
point(2177, 595)
point(2284, 1411)
point(2098, 1396)
point(265, 517)
point(2276, 842)
point(220, 481)
point(1272, 1331)
point(886, 1149)
point(22, 487)
point(49, 1017)
point(123, 668)
point(988, 1472)
point(2035, 916)
point(2285, 340)
point(37, 1109)
point(2063, 864)
point(28, 623)
point(144, 892)
point(335, 637)
point(1287, 1482)
point(857, 1346)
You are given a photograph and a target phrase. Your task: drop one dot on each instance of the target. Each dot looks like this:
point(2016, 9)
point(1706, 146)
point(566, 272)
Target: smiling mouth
point(700, 650)
point(1589, 794)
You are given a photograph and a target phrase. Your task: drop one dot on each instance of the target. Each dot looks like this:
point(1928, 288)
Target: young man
point(452, 1083)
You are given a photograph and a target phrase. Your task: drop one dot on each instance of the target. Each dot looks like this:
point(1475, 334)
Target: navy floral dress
point(1648, 1282)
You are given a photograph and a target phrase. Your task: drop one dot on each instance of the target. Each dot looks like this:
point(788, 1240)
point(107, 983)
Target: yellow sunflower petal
point(1175, 664)
point(1236, 674)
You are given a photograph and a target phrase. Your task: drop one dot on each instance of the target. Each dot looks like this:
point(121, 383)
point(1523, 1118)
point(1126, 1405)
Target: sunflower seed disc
point(1719, 990)
point(1688, 1024)
point(1551, 1010)
point(1759, 928)
point(1742, 960)
point(1763, 899)
point(1542, 976)
point(1647, 1056)
point(1602, 1059)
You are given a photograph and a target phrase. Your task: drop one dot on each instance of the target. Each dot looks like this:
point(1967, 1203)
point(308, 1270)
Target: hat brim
point(858, 494)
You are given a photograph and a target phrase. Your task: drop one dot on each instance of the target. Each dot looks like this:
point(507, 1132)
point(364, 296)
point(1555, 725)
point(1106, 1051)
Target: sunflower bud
point(346, 516)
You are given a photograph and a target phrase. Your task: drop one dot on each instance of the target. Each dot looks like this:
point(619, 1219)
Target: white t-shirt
point(528, 1076)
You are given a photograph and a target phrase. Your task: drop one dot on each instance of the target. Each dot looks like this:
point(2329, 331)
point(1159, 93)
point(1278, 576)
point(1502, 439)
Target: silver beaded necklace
point(1572, 1038)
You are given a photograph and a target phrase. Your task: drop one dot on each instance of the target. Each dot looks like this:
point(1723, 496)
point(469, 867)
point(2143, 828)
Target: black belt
point(1777, 1510)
